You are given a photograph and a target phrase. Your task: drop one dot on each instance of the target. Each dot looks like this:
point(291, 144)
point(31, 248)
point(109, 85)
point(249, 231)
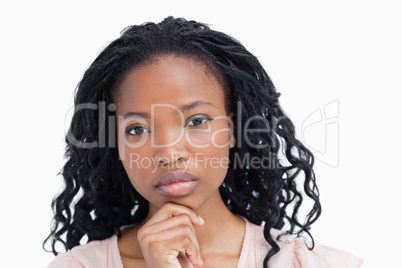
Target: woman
point(179, 154)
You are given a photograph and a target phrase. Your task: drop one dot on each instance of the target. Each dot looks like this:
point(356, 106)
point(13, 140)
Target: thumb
point(184, 262)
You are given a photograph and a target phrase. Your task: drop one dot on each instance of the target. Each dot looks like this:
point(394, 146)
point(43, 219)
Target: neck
point(220, 224)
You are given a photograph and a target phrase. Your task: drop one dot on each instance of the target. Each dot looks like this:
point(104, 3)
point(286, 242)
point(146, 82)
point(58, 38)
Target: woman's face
point(173, 132)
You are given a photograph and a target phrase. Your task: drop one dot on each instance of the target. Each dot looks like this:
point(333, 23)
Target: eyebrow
point(195, 104)
point(184, 107)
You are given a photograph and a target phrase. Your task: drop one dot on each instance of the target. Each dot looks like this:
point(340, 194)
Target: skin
point(179, 231)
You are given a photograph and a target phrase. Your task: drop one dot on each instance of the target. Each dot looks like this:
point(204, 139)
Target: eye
point(198, 120)
point(136, 130)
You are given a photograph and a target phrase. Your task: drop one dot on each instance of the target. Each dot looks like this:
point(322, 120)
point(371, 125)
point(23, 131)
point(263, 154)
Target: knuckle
point(142, 232)
point(145, 241)
point(184, 228)
point(184, 240)
point(155, 247)
point(144, 236)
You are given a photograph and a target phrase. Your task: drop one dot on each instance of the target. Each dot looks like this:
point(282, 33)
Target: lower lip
point(177, 188)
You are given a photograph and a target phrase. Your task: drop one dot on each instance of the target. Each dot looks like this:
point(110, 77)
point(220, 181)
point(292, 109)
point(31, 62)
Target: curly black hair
point(98, 197)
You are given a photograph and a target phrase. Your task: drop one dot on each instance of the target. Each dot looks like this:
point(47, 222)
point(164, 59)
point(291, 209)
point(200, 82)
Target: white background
point(344, 52)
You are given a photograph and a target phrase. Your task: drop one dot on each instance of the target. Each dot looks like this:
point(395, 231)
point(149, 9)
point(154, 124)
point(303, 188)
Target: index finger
point(171, 209)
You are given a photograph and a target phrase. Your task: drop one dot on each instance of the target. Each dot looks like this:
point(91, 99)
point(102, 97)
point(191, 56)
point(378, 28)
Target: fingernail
point(200, 262)
point(201, 220)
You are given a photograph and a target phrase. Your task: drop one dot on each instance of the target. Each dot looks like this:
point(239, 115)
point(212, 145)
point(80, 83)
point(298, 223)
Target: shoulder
point(295, 253)
point(97, 254)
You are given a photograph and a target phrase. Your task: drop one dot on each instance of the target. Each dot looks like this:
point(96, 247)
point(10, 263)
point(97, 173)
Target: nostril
point(166, 161)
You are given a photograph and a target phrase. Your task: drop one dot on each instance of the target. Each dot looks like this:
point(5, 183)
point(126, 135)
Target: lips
point(178, 183)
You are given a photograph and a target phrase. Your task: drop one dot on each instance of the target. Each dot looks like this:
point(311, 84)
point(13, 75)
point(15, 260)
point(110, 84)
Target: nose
point(170, 148)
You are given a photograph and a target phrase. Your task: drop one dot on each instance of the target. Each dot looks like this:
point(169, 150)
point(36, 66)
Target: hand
point(168, 239)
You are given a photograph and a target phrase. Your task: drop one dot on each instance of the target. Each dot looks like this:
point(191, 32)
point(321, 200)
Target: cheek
point(220, 138)
point(131, 147)
point(214, 159)
point(215, 154)
point(139, 168)
point(136, 160)
point(217, 160)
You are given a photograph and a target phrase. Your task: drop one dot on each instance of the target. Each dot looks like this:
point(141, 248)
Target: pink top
point(293, 253)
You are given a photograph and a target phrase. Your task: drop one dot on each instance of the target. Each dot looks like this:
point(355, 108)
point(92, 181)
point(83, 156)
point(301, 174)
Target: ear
point(232, 139)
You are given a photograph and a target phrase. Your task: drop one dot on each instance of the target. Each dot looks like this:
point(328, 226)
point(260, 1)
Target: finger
point(182, 244)
point(185, 232)
point(182, 219)
point(171, 210)
point(183, 260)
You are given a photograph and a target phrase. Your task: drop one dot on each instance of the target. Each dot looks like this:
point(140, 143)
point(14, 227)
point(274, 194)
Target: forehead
point(171, 80)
